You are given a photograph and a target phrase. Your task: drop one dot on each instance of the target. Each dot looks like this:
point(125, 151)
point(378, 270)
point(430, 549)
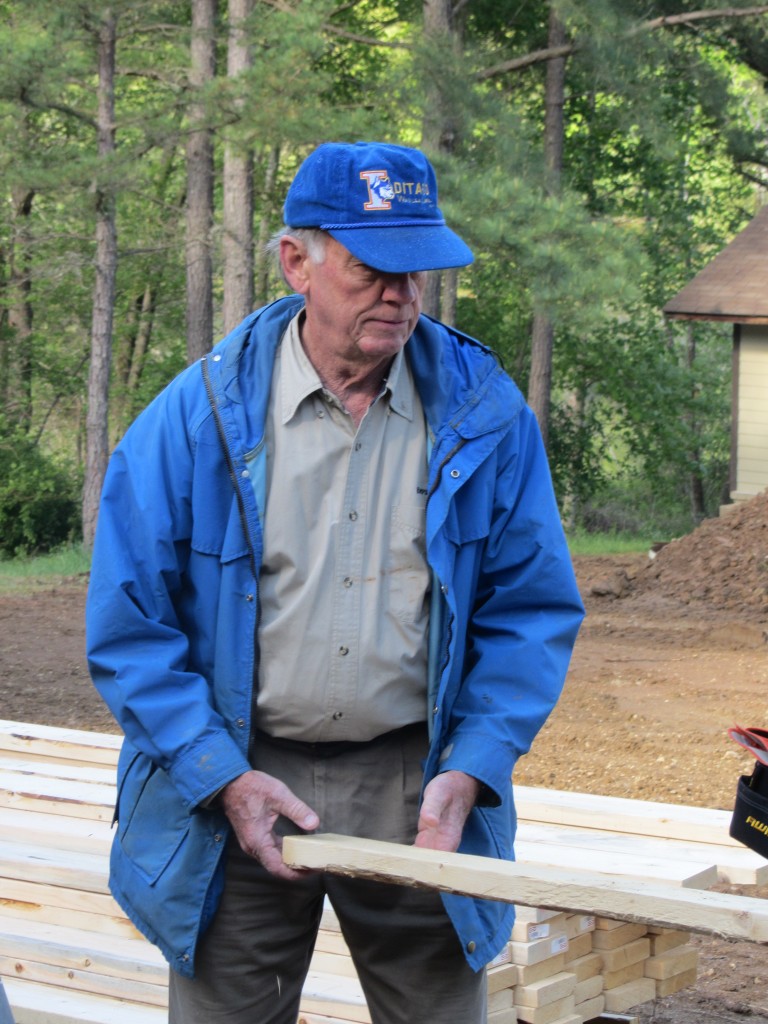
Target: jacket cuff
point(485, 761)
point(203, 770)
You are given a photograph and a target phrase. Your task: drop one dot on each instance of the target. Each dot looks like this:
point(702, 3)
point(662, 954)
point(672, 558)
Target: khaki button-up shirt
point(344, 584)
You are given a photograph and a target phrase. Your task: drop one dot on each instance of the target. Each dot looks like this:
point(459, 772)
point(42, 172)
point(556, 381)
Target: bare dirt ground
point(673, 651)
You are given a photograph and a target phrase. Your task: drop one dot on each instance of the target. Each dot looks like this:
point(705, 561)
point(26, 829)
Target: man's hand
point(253, 802)
point(448, 799)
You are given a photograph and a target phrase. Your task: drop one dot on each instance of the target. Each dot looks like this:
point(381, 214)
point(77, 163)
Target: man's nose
point(400, 287)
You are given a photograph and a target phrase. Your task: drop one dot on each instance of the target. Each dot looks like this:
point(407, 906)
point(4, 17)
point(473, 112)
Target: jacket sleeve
point(144, 663)
point(522, 619)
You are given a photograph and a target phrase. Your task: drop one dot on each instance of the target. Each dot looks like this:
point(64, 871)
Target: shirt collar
point(299, 378)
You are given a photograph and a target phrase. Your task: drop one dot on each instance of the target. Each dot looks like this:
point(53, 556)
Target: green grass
point(20, 575)
point(582, 543)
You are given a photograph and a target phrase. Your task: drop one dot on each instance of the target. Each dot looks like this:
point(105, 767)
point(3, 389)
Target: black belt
point(333, 748)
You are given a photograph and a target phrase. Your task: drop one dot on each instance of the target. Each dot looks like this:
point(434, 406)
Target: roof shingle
point(734, 286)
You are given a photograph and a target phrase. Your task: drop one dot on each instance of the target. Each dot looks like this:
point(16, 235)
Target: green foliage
point(665, 136)
point(635, 506)
point(39, 497)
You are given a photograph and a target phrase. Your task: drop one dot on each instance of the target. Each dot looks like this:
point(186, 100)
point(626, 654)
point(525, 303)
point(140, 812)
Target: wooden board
point(78, 949)
point(74, 980)
point(75, 745)
point(52, 768)
point(56, 796)
point(736, 865)
point(63, 897)
point(86, 835)
point(44, 864)
point(335, 997)
point(12, 910)
point(615, 814)
point(671, 872)
point(33, 1003)
point(585, 892)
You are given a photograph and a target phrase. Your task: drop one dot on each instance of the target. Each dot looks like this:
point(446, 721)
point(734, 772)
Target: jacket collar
point(460, 385)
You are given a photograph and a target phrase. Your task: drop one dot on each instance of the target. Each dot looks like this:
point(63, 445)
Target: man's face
point(355, 312)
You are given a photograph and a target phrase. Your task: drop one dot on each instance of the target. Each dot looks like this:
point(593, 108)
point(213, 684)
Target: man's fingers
point(299, 813)
point(448, 799)
point(253, 802)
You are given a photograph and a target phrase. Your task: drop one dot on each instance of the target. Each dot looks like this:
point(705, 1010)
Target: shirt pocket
point(407, 569)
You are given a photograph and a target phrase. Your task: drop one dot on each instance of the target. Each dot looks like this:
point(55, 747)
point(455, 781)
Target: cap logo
point(380, 190)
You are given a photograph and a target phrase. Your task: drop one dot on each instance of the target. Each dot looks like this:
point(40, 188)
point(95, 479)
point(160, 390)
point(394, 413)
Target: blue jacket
point(173, 605)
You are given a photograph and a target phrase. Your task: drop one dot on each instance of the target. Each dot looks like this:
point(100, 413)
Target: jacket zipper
point(246, 533)
point(230, 464)
point(448, 624)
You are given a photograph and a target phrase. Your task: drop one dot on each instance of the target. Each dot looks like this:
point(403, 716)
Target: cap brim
point(405, 249)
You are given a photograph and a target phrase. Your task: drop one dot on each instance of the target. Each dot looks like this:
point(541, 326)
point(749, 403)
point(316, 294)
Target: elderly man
point(330, 590)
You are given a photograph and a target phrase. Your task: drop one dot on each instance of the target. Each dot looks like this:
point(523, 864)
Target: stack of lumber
point(557, 968)
point(670, 842)
point(68, 954)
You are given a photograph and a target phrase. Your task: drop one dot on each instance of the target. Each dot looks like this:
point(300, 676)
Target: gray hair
point(314, 239)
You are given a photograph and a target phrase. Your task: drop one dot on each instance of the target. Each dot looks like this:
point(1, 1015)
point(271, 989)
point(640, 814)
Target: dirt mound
point(723, 564)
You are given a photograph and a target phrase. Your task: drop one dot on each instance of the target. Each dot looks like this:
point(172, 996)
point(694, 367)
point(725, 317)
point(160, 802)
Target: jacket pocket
point(152, 820)
point(217, 524)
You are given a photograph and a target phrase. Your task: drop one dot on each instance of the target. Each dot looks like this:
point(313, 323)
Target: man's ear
point(294, 260)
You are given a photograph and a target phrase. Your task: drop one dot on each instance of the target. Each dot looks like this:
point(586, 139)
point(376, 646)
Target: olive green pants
point(252, 962)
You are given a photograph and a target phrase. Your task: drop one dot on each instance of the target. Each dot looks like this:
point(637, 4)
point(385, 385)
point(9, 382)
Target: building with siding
point(733, 288)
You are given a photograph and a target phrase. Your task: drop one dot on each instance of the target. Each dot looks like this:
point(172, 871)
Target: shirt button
point(353, 516)
point(347, 581)
point(320, 413)
point(249, 597)
point(245, 474)
point(217, 359)
point(471, 946)
point(337, 715)
point(343, 651)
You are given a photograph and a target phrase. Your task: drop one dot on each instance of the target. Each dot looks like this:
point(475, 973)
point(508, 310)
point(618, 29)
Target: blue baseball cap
point(380, 202)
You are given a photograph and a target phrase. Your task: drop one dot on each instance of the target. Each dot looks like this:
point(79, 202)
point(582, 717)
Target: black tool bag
point(749, 824)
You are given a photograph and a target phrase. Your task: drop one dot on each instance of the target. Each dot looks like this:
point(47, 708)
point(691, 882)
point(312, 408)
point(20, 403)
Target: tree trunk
point(540, 378)
point(17, 359)
point(449, 295)
point(97, 420)
point(267, 202)
point(141, 343)
point(542, 334)
point(130, 358)
point(438, 134)
point(237, 242)
point(199, 256)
